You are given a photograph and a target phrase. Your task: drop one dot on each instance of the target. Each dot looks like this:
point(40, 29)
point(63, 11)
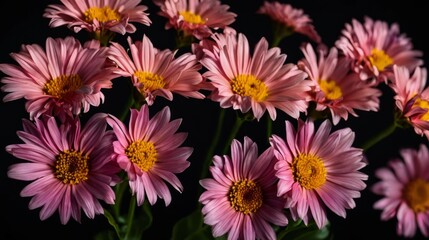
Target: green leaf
point(112, 222)
point(298, 231)
point(188, 225)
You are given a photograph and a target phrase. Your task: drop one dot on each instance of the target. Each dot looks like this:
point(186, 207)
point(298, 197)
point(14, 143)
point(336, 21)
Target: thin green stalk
point(214, 143)
point(130, 218)
point(239, 120)
point(380, 136)
point(119, 193)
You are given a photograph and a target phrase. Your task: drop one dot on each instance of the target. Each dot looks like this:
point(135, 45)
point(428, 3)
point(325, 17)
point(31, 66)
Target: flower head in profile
point(70, 168)
point(318, 169)
point(197, 18)
point(241, 199)
point(259, 82)
point(98, 15)
point(150, 153)
point(288, 19)
point(62, 80)
point(158, 73)
point(412, 97)
point(375, 47)
point(404, 187)
point(337, 88)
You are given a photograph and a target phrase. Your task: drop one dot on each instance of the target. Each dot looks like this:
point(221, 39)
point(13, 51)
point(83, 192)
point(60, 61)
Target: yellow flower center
point(191, 17)
point(249, 86)
point(331, 90)
point(416, 194)
point(245, 196)
point(309, 171)
point(143, 154)
point(380, 59)
point(71, 167)
point(62, 86)
point(104, 14)
point(149, 81)
point(422, 104)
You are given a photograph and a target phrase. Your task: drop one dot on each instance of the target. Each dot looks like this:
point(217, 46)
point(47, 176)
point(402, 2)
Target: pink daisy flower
point(412, 98)
point(241, 199)
point(289, 19)
point(150, 154)
point(318, 170)
point(158, 73)
point(196, 18)
point(260, 82)
point(70, 168)
point(404, 185)
point(62, 80)
point(375, 47)
point(336, 87)
point(98, 15)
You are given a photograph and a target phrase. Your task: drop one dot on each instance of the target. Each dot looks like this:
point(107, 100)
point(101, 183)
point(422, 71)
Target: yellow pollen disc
point(245, 196)
point(71, 167)
point(63, 86)
point(149, 81)
point(331, 90)
point(249, 86)
point(143, 154)
point(309, 171)
point(380, 59)
point(191, 17)
point(416, 194)
point(104, 14)
point(425, 105)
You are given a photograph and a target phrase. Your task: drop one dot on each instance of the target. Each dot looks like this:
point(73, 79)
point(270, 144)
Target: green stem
point(119, 193)
point(130, 218)
point(239, 120)
point(280, 31)
point(379, 136)
point(214, 143)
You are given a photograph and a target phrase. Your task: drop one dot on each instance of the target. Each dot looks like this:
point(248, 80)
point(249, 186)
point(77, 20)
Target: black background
point(22, 23)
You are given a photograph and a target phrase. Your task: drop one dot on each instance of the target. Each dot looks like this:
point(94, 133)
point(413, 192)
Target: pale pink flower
point(62, 80)
point(260, 82)
point(241, 199)
point(70, 168)
point(318, 170)
point(336, 86)
point(375, 47)
point(158, 73)
point(98, 15)
point(293, 19)
point(412, 97)
point(404, 187)
point(150, 153)
point(196, 18)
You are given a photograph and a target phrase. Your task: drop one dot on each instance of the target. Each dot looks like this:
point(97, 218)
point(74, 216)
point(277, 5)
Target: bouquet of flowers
point(212, 119)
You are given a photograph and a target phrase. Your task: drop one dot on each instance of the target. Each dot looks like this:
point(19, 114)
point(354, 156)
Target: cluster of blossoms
point(312, 169)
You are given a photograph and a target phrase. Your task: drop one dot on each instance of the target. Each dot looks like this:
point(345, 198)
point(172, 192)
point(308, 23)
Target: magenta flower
point(318, 170)
point(412, 97)
point(196, 18)
point(70, 169)
point(60, 81)
point(336, 87)
point(241, 199)
point(404, 187)
point(158, 73)
point(260, 82)
point(98, 15)
point(292, 19)
point(375, 47)
point(150, 154)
